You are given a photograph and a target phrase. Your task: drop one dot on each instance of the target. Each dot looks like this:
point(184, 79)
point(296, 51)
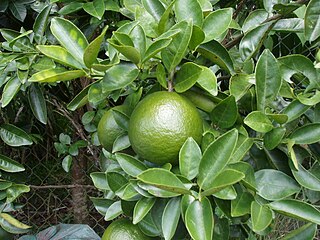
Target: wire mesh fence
point(51, 199)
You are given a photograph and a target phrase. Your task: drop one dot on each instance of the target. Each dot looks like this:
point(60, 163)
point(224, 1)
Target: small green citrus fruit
point(160, 124)
point(123, 229)
point(108, 129)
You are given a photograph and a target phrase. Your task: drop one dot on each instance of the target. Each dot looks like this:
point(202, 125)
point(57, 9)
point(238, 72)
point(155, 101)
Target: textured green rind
point(108, 129)
point(160, 124)
point(123, 229)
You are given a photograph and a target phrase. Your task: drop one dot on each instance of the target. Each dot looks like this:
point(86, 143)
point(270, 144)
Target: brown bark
point(79, 194)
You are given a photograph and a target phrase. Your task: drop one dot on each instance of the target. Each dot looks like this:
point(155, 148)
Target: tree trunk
point(79, 195)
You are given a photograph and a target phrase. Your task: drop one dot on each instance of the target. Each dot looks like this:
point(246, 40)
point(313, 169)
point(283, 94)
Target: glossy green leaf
point(80, 99)
point(130, 165)
point(9, 165)
point(307, 134)
point(141, 209)
point(297, 209)
point(10, 90)
point(40, 24)
point(217, 54)
point(273, 138)
point(147, 22)
point(188, 9)
point(242, 204)
point(216, 23)
point(154, 7)
point(312, 20)
point(292, 154)
point(289, 25)
point(43, 64)
point(254, 19)
point(37, 103)
point(286, 8)
point(66, 163)
point(176, 50)
point(15, 191)
point(307, 231)
point(92, 50)
point(258, 121)
point(268, 79)
point(208, 81)
point(19, 10)
point(119, 76)
point(243, 146)
point(197, 37)
point(189, 158)
point(129, 52)
point(5, 184)
point(70, 37)
point(99, 180)
point(296, 63)
point(278, 117)
point(95, 8)
point(275, 185)
point(215, 158)
point(227, 193)
point(225, 113)
point(156, 191)
point(187, 76)
point(261, 217)
point(6, 226)
point(306, 178)
point(226, 178)
point(12, 225)
point(294, 110)
point(199, 220)
point(309, 99)
point(14, 136)
point(113, 211)
point(170, 218)
point(116, 181)
point(164, 23)
point(101, 204)
point(70, 8)
point(253, 40)
point(185, 202)
point(129, 192)
point(163, 179)
point(56, 75)
point(155, 48)
point(161, 76)
point(139, 40)
point(240, 84)
point(149, 225)
point(96, 93)
point(249, 180)
point(122, 142)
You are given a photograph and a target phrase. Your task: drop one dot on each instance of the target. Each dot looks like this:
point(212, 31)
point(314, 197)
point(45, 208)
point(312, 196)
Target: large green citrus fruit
point(123, 229)
point(108, 129)
point(160, 124)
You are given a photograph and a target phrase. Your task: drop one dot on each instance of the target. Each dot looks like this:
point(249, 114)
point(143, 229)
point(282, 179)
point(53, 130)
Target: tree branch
point(275, 17)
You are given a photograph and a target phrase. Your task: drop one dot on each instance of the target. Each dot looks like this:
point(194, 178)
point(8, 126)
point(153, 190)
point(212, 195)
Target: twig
point(77, 126)
point(275, 17)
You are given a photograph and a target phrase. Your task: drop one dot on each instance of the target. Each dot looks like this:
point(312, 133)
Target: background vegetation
point(64, 63)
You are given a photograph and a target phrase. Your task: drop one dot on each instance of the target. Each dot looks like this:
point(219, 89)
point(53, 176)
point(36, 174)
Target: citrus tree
point(151, 73)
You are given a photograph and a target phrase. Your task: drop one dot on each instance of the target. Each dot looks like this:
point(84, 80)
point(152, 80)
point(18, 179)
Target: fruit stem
point(170, 82)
